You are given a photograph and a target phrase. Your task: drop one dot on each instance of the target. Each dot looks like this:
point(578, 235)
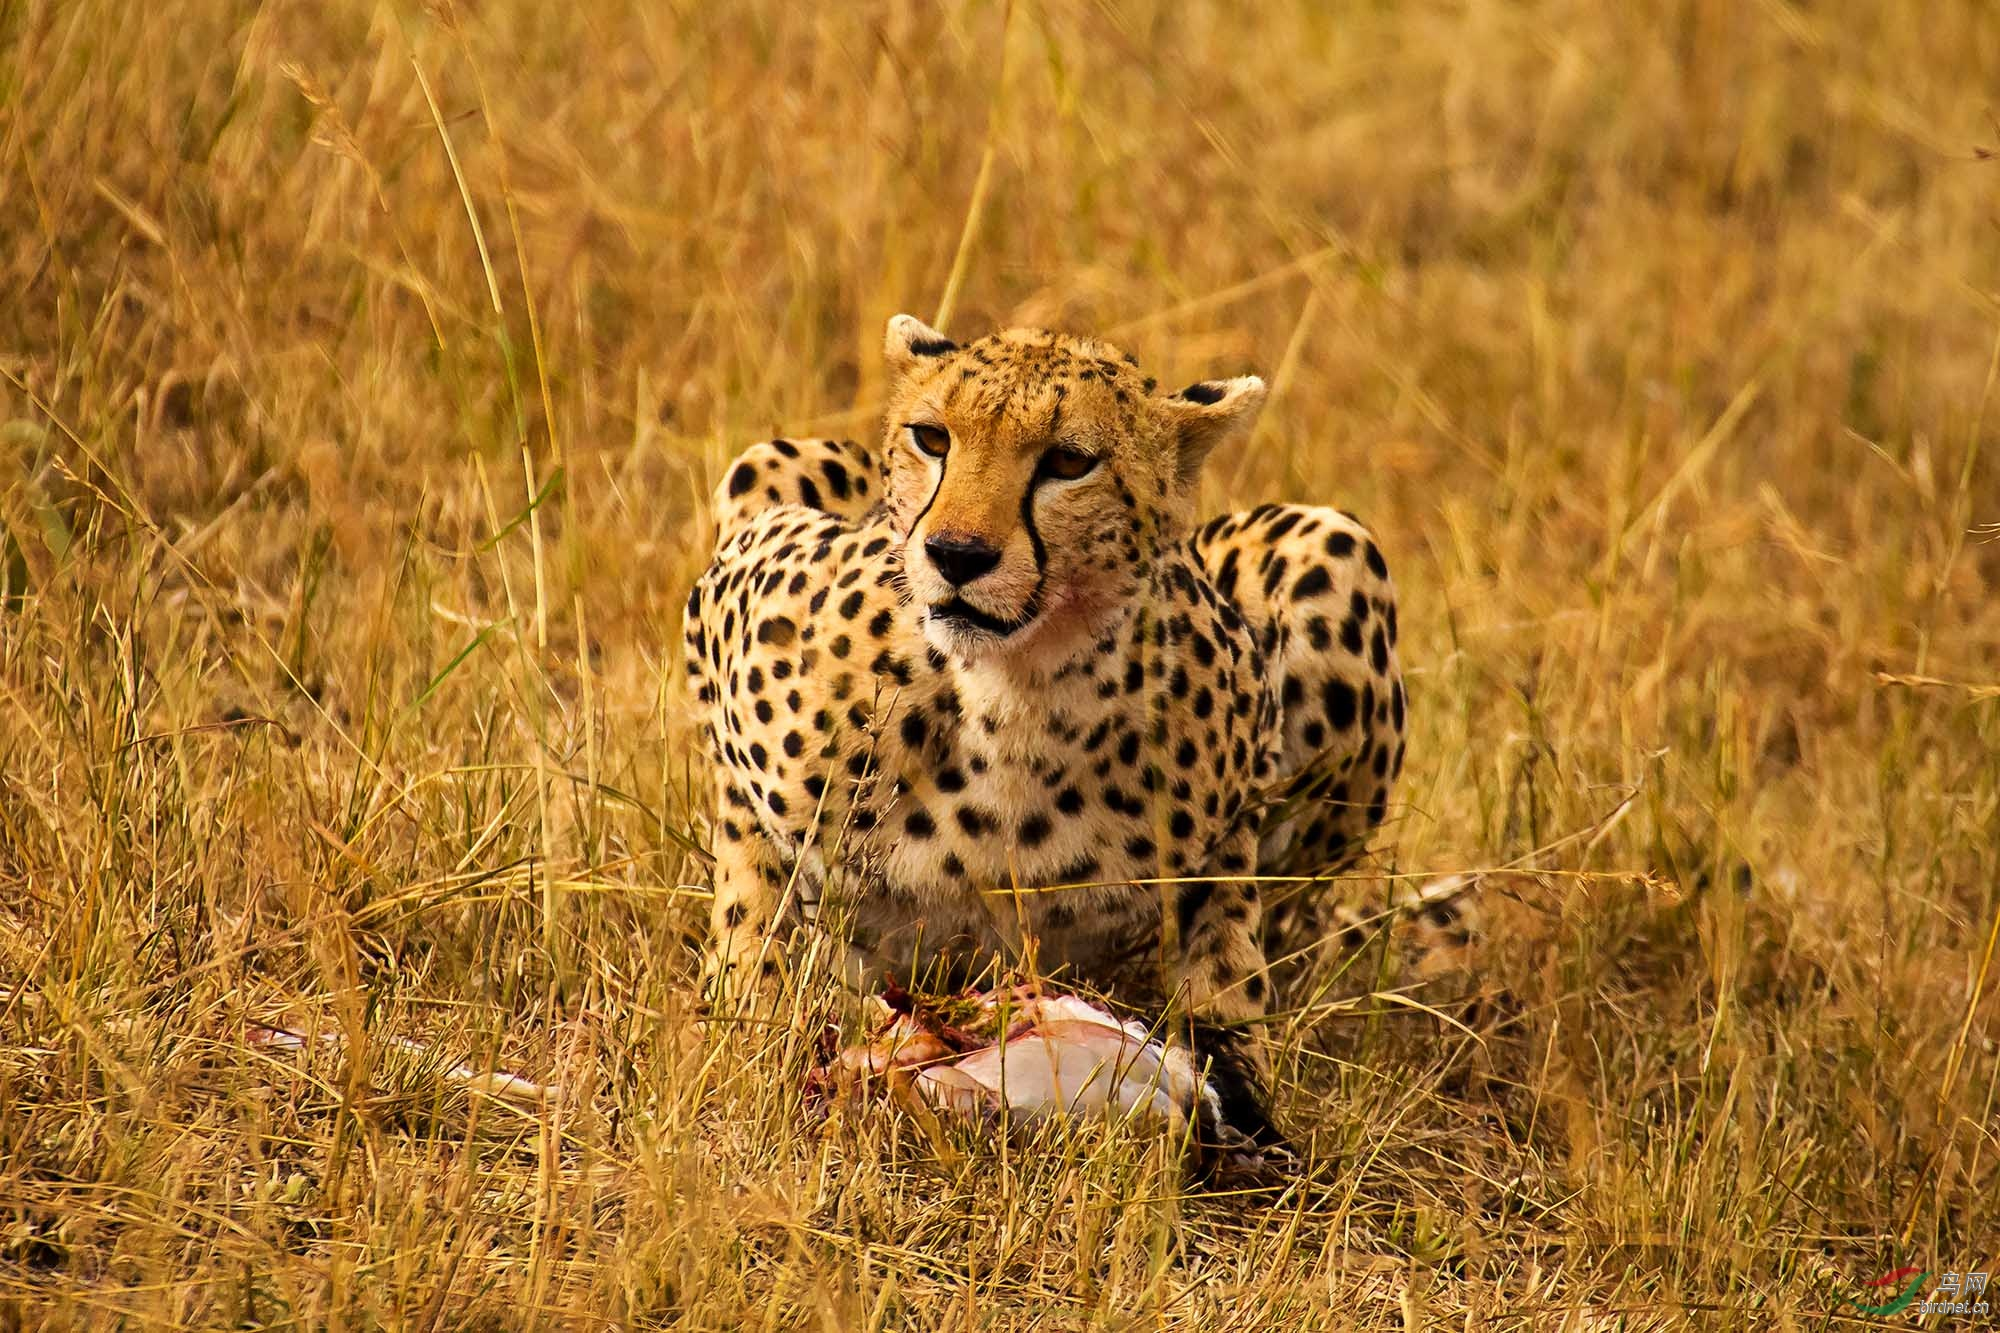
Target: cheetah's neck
point(1016, 711)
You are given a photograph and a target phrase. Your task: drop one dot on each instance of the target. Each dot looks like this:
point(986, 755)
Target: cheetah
point(992, 687)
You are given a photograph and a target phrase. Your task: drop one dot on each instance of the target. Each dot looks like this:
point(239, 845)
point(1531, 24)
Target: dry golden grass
point(1658, 339)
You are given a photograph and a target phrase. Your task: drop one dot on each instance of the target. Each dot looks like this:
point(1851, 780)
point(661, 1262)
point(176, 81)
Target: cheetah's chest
point(971, 863)
point(1065, 818)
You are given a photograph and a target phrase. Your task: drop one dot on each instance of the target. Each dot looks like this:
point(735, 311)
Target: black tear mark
point(1204, 392)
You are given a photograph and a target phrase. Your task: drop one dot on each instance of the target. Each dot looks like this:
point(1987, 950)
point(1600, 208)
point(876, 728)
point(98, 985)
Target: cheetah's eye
point(1066, 462)
point(933, 440)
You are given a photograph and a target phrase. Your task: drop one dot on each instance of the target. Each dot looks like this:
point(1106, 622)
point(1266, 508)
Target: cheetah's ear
point(1208, 412)
point(909, 339)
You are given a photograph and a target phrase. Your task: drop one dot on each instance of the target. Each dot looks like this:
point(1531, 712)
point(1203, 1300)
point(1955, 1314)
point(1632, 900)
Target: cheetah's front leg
point(743, 955)
point(1220, 976)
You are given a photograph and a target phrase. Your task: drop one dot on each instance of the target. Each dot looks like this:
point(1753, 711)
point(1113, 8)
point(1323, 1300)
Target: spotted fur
point(990, 689)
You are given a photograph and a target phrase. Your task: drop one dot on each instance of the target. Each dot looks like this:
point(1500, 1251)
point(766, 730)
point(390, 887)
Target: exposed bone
point(500, 1083)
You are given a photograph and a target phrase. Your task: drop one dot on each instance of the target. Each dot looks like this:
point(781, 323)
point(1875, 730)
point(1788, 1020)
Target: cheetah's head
point(1035, 477)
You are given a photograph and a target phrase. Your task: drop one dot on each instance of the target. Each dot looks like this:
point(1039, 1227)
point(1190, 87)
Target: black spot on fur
point(836, 477)
point(1339, 699)
point(1193, 898)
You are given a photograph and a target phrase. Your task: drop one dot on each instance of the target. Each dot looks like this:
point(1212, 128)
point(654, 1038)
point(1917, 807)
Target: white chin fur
point(940, 637)
point(958, 640)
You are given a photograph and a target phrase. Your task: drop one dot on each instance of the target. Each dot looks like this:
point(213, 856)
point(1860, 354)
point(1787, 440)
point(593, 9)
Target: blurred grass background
point(362, 371)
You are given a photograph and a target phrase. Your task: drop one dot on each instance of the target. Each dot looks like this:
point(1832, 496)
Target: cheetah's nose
point(961, 559)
